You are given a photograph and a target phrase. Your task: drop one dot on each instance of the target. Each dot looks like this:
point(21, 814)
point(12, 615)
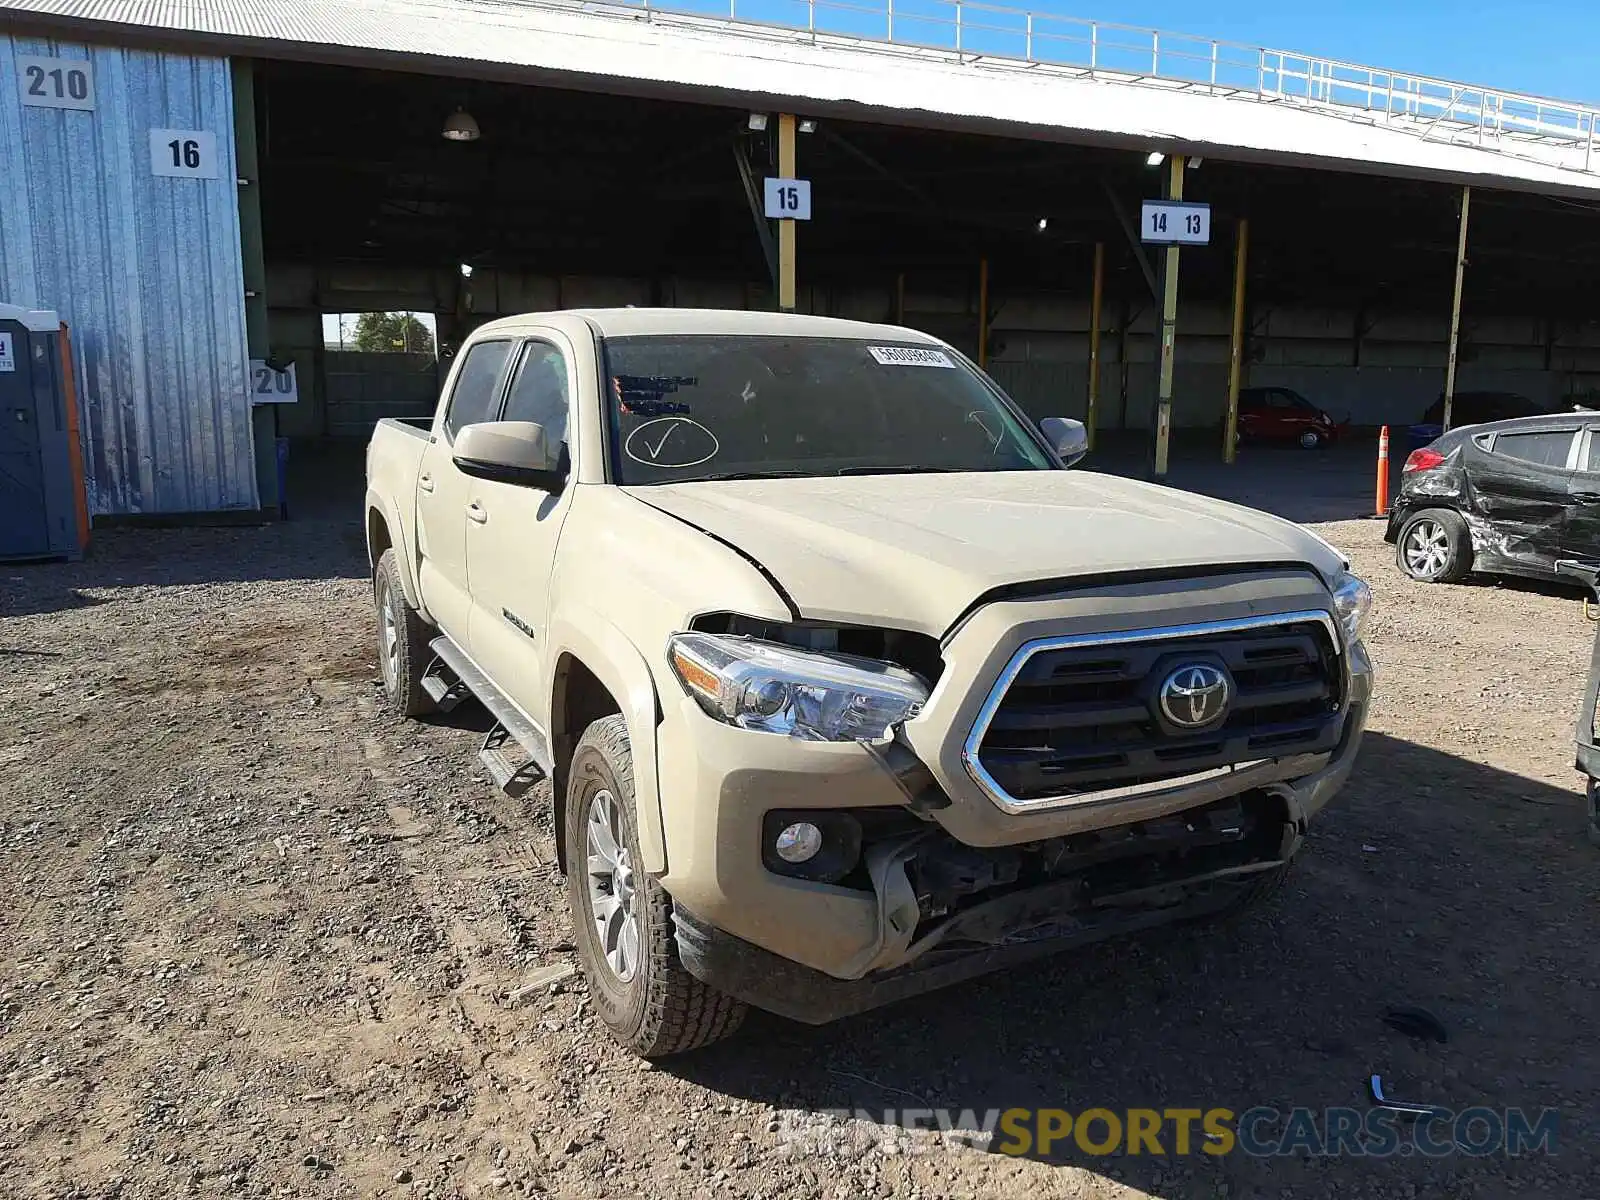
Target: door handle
point(476, 512)
point(425, 482)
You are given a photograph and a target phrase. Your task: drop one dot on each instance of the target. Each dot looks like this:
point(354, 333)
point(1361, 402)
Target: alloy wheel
point(611, 887)
point(1427, 549)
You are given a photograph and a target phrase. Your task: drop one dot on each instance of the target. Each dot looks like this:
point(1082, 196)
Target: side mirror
point(1068, 438)
point(509, 452)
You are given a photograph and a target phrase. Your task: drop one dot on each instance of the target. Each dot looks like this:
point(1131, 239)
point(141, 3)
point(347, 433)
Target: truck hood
point(914, 551)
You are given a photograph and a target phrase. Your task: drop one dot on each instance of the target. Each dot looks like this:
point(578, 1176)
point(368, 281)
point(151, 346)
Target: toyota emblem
point(1195, 695)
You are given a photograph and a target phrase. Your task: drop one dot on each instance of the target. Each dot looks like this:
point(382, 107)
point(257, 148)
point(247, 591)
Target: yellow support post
point(1169, 328)
point(1230, 430)
point(1096, 295)
point(1455, 307)
point(786, 228)
point(983, 313)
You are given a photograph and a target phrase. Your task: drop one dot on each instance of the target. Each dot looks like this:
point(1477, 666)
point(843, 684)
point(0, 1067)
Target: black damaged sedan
point(1509, 498)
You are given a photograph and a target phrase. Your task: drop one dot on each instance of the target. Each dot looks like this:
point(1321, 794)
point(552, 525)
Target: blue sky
point(1547, 47)
point(1543, 47)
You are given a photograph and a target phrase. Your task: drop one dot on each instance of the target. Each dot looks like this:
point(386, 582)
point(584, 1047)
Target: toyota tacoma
point(846, 684)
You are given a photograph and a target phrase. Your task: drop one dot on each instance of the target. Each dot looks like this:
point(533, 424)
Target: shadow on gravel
point(324, 539)
point(119, 559)
point(1431, 881)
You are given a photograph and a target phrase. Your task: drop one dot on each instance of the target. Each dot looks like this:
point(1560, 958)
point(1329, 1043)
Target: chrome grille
point(1077, 717)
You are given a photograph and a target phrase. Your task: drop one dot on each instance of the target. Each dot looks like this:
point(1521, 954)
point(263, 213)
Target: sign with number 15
point(788, 199)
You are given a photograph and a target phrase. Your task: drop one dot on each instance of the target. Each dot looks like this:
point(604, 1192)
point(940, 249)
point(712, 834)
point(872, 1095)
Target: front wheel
point(1311, 440)
point(623, 916)
point(1434, 547)
point(403, 641)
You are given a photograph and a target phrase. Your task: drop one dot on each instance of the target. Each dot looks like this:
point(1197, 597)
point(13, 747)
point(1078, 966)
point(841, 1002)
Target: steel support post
point(1241, 258)
point(1169, 328)
point(786, 228)
point(1455, 306)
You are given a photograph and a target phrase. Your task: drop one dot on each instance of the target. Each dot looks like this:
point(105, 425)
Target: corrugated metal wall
point(145, 268)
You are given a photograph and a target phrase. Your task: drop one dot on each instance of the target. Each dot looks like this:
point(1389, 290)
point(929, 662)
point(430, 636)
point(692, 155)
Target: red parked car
point(1280, 414)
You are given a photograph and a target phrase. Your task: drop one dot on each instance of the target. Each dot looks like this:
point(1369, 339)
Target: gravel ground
point(259, 939)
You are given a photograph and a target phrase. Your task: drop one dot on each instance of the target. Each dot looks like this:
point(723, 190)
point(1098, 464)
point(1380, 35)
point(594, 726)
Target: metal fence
point(1554, 132)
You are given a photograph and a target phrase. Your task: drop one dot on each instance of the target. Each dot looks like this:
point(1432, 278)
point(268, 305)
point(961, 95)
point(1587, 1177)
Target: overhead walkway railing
point(1554, 133)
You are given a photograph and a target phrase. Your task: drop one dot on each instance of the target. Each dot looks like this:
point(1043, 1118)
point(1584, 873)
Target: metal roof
point(1470, 135)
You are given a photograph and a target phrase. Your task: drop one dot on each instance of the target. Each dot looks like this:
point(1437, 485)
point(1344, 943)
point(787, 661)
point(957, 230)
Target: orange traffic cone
point(1381, 499)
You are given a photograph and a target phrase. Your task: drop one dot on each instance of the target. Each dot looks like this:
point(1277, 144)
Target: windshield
point(683, 408)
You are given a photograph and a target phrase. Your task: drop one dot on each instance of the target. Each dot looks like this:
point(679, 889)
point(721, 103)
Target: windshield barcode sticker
point(909, 356)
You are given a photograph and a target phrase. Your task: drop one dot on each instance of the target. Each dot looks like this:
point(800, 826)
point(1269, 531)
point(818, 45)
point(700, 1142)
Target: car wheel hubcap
point(611, 889)
point(1309, 440)
point(1427, 549)
point(391, 643)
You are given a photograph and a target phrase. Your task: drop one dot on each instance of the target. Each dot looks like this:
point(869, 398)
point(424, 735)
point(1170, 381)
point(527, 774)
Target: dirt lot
point(260, 940)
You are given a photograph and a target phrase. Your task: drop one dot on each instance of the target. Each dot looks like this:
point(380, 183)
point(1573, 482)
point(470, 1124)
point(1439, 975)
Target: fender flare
point(614, 660)
point(400, 538)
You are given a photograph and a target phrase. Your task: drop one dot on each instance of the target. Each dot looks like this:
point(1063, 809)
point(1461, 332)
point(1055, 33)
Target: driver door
point(512, 533)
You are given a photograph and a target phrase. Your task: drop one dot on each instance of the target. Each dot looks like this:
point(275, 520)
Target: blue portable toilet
point(39, 486)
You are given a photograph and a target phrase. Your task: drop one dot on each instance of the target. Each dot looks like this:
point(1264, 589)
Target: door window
point(473, 399)
point(539, 392)
point(1545, 448)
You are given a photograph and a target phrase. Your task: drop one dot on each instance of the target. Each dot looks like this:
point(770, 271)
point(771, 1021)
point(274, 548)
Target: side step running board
point(511, 725)
point(446, 693)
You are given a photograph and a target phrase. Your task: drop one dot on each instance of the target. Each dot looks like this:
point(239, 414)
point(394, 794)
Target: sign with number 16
point(183, 153)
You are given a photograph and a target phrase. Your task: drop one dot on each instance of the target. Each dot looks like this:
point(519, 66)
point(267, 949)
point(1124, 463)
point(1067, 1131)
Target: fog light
point(799, 842)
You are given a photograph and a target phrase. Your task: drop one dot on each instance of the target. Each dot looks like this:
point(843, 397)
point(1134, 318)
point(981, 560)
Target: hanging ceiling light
point(460, 126)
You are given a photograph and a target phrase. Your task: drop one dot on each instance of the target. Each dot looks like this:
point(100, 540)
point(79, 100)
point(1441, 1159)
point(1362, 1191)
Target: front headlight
point(778, 689)
point(1352, 600)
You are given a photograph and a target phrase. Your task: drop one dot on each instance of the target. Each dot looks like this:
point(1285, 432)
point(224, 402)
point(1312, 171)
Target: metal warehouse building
point(195, 185)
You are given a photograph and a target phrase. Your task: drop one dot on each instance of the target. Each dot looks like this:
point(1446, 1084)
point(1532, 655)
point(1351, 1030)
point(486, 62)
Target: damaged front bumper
point(949, 912)
point(945, 882)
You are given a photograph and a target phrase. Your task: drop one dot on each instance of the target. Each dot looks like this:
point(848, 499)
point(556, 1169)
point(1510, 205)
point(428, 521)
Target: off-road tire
point(402, 673)
point(1458, 563)
point(663, 1009)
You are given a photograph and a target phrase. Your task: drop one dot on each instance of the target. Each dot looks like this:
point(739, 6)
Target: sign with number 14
point(1174, 222)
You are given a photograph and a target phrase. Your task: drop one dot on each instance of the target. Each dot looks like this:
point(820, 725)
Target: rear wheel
point(1434, 547)
point(623, 916)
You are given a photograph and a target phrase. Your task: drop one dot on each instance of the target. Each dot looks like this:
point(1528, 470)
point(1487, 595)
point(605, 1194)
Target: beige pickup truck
point(845, 684)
